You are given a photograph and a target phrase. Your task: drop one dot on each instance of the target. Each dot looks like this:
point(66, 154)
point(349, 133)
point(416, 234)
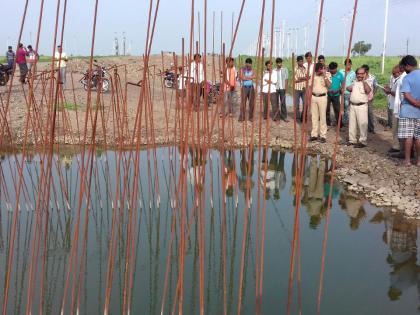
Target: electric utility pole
point(385, 33)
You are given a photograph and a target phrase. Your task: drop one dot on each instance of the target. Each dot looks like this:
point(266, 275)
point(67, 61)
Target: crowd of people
point(321, 87)
point(26, 59)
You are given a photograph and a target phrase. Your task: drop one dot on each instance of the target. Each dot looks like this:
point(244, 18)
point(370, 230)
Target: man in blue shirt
point(334, 93)
point(247, 76)
point(10, 56)
point(409, 123)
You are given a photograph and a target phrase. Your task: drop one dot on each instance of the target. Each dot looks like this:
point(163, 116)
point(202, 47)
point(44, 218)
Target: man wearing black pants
point(281, 87)
point(300, 74)
point(247, 76)
point(334, 93)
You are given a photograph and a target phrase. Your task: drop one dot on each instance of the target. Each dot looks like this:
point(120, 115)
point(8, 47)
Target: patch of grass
point(70, 106)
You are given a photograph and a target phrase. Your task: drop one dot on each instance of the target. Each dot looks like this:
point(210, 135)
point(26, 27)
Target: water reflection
point(227, 181)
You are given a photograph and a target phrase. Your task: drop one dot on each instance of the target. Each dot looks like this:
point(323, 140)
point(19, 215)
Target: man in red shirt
point(21, 61)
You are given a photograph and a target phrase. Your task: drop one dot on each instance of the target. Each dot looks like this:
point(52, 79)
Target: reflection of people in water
point(295, 165)
point(277, 165)
point(268, 176)
point(327, 184)
point(353, 206)
point(314, 191)
point(247, 158)
point(67, 160)
point(400, 235)
point(230, 172)
point(196, 170)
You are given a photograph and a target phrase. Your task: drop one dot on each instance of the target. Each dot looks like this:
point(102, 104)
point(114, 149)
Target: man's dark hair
point(10, 47)
point(248, 60)
point(308, 54)
point(357, 70)
point(195, 55)
point(279, 60)
point(59, 46)
point(366, 67)
point(299, 58)
point(267, 62)
point(29, 46)
point(408, 60)
point(318, 66)
point(333, 65)
point(321, 57)
point(20, 45)
point(347, 60)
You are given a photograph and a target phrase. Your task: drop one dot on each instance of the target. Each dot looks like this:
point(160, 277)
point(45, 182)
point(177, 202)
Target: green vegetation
point(69, 106)
point(361, 48)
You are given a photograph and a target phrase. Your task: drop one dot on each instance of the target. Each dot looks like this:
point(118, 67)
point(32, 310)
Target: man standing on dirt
point(374, 83)
point(269, 94)
point(21, 61)
point(322, 81)
point(10, 56)
point(409, 122)
point(359, 98)
point(351, 76)
point(334, 93)
point(61, 59)
point(197, 75)
point(281, 88)
point(32, 58)
point(230, 83)
point(300, 87)
point(394, 102)
point(247, 76)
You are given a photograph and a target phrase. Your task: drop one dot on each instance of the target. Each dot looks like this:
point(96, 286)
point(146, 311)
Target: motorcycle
point(5, 73)
point(99, 76)
point(213, 91)
point(170, 79)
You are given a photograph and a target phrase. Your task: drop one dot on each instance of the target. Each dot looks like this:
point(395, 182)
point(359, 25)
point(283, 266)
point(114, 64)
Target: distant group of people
point(329, 87)
point(26, 59)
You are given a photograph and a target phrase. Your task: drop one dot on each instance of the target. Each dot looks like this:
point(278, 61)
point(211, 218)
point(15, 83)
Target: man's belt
point(358, 104)
point(319, 95)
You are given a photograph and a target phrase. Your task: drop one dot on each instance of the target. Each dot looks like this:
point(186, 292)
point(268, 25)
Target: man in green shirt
point(334, 93)
point(351, 76)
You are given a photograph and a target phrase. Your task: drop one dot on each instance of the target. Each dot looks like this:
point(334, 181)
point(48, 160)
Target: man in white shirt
point(394, 104)
point(197, 78)
point(32, 58)
point(359, 98)
point(269, 91)
point(61, 60)
point(309, 66)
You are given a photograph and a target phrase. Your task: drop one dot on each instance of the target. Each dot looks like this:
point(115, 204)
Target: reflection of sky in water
point(371, 264)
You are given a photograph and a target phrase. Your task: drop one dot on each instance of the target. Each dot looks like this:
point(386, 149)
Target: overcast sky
point(173, 23)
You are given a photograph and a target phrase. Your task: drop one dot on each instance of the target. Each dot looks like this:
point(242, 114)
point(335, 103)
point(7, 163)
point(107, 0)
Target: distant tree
point(361, 48)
